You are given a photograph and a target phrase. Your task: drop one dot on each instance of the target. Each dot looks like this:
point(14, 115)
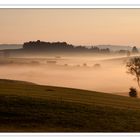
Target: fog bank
point(77, 72)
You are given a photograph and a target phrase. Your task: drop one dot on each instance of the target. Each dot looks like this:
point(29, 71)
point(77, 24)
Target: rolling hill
point(27, 107)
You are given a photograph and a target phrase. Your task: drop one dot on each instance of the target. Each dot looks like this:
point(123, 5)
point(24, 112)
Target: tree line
point(60, 47)
point(65, 47)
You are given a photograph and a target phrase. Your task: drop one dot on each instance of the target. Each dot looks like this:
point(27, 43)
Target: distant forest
point(41, 46)
point(60, 47)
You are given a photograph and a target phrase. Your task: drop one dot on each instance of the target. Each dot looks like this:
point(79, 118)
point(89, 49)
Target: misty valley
point(59, 87)
point(105, 72)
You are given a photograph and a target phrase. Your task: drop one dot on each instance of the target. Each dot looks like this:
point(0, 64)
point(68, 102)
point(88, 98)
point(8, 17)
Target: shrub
point(133, 92)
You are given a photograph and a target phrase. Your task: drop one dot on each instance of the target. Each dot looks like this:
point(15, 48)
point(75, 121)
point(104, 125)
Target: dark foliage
point(134, 68)
point(133, 92)
point(135, 50)
point(60, 47)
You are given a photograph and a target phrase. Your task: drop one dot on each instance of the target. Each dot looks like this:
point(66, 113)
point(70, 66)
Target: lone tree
point(135, 50)
point(133, 92)
point(134, 68)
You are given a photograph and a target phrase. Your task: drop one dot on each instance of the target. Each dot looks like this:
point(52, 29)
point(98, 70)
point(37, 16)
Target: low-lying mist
point(105, 75)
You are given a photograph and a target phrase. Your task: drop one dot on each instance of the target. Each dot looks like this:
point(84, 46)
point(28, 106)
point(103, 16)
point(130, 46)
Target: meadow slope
point(27, 107)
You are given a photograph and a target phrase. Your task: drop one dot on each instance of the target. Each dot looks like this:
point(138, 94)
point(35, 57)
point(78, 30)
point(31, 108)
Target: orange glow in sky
point(75, 26)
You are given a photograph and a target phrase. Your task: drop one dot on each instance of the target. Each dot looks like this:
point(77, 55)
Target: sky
point(75, 26)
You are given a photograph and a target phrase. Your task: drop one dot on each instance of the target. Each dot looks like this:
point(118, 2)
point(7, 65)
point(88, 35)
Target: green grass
point(27, 107)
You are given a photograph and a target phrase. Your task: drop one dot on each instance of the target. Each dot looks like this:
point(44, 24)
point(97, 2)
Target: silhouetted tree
point(133, 92)
point(135, 50)
point(134, 68)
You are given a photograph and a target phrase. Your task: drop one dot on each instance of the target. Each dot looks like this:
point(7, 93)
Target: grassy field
point(27, 107)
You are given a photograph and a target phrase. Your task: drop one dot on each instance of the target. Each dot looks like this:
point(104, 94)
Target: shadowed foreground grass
point(27, 107)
